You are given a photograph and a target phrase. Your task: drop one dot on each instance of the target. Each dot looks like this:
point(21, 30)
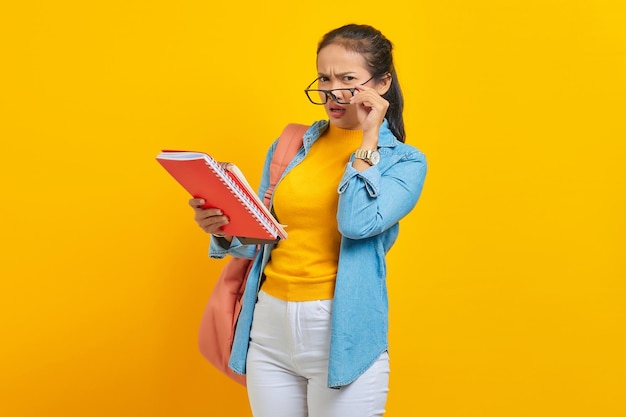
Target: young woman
point(312, 334)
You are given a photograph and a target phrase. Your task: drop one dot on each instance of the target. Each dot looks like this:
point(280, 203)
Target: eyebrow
point(341, 74)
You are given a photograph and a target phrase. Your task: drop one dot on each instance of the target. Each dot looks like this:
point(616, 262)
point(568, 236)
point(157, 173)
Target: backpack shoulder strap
point(289, 144)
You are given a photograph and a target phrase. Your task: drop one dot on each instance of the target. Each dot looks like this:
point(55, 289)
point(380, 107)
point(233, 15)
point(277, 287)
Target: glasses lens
point(342, 95)
point(339, 95)
point(316, 96)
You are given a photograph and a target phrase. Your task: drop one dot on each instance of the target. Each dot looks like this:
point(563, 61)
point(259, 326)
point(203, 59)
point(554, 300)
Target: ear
point(383, 85)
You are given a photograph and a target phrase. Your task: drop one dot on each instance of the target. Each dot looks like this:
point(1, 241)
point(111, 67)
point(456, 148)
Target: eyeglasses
point(338, 95)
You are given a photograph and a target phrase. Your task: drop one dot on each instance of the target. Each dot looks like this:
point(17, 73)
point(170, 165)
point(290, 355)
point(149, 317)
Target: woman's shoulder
point(317, 128)
point(407, 150)
point(410, 150)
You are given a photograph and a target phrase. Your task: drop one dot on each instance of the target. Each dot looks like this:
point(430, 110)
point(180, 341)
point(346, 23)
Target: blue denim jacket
point(370, 205)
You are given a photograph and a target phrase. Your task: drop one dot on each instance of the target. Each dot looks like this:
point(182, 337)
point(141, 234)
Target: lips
point(336, 111)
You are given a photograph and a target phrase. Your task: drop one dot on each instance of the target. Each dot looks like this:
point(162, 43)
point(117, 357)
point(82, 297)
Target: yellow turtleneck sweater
point(303, 267)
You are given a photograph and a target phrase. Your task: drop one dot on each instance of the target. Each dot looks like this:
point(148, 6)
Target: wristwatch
point(371, 156)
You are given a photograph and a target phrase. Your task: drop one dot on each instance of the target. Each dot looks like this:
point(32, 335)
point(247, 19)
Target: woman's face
point(338, 67)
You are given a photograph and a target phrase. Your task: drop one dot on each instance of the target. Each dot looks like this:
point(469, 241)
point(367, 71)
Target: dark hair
point(377, 52)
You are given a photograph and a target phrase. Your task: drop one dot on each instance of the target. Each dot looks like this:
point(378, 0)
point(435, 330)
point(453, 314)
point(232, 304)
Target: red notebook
point(223, 186)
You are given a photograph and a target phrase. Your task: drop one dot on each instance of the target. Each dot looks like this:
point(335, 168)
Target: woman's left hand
point(371, 108)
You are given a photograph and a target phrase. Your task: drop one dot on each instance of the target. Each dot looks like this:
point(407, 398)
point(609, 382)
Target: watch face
point(375, 157)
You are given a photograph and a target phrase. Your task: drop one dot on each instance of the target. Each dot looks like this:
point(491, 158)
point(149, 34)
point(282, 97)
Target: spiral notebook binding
point(240, 195)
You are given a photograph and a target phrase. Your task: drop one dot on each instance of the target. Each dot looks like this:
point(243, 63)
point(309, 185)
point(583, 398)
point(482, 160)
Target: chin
point(348, 126)
point(344, 124)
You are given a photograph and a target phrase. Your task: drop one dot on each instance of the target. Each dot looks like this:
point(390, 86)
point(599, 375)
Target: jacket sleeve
point(219, 248)
point(372, 201)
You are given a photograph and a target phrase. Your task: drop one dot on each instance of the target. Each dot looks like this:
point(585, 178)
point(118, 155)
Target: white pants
point(287, 366)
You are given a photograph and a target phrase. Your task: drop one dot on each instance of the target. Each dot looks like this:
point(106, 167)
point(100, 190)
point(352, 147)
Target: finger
point(372, 103)
point(196, 202)
point(367, 103)
point(202, 215)
point(366, 91)
point(213, 224)
point(213, 221)
point(371, 99)
point(360, 88)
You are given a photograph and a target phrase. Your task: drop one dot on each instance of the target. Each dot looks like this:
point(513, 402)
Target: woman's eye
point(349, 78)
point(323, 79)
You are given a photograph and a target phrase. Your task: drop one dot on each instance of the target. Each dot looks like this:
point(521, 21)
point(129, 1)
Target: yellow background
point(507, 283)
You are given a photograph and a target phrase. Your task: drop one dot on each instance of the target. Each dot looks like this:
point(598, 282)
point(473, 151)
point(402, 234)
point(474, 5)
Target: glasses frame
point(329, 93)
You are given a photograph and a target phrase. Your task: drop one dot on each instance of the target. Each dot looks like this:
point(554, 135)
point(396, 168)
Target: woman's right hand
point(210, 220)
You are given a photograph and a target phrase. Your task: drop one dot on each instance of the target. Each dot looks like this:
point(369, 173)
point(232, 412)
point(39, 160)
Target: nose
point(335, 96)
